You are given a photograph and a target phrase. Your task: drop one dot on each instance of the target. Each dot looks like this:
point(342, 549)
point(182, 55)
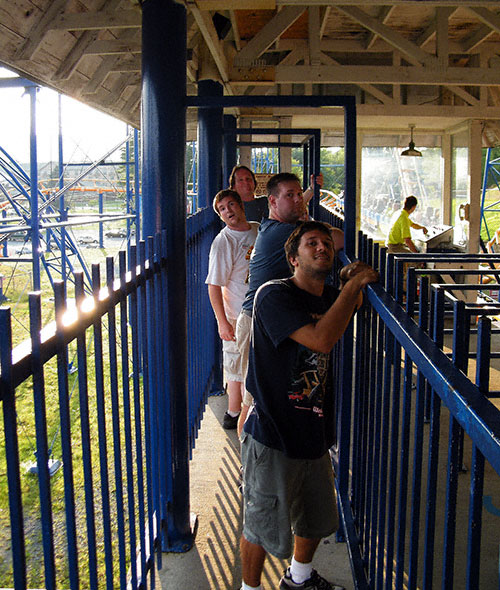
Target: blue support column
point(229, 155)
point(35, 232)
point(350, 180)
point(209, 144)
point(164, 207)
point(305, 166)
point(210, 133)
point(315, 154)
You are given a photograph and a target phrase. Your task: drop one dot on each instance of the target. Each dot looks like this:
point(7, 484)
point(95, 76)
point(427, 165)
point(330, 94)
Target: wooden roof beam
point(269, 33)
point(412, 52)
point(351, 74)
point(383, 15)
point(104, 19)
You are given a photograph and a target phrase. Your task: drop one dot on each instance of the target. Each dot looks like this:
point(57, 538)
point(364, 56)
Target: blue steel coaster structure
point(57, 251)
point(43, 218)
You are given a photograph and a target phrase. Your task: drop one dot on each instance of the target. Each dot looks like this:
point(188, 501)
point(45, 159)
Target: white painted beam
point(314, 35)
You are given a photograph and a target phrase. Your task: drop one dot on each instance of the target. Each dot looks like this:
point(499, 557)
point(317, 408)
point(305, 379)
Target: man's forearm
point(215, 295)
point(325, 333)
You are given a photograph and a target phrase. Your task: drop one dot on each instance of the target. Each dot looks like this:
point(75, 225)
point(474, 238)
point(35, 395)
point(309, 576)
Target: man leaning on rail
point(288, 483)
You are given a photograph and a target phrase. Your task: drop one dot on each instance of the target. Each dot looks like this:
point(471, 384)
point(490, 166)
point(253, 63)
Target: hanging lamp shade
point(411, 151)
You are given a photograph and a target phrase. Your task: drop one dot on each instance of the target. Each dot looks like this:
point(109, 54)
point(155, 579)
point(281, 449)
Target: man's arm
point(309, 192)
point(226, 331)
point(411, 245)
point(417, 226)
point(325, 333)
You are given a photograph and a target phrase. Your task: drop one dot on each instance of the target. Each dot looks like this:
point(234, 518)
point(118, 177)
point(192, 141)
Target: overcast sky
point(87, 134)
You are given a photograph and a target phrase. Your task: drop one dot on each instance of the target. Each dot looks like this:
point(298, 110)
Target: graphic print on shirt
point(309, 374)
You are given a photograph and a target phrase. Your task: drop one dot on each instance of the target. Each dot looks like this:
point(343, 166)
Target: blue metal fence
point(412, 426)
point(99, 521)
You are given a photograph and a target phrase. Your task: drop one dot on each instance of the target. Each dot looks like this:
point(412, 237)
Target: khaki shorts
point(231, 358)
point(243, 337)
point(284, 496)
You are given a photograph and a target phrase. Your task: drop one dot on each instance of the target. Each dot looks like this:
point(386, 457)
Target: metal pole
point(210, 134)
point(350, 180)
point(35, 234)
point(229, 154)
point(164, 207)
point(209, 144)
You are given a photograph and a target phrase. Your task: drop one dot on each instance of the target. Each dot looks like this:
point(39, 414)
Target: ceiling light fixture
point(411, 151)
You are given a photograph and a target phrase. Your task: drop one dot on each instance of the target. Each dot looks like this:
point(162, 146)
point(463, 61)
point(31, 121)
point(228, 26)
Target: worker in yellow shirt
point(399, 238)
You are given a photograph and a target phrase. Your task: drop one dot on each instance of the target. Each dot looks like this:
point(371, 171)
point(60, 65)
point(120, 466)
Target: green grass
point(18, 295)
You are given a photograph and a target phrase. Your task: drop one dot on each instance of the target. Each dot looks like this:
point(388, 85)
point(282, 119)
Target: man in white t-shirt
point(227, 282)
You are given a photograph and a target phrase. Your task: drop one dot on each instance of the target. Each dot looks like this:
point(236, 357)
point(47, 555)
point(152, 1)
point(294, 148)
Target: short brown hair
point(232, 179)
point(227, 192)
point(293, 242)
point(274, 181)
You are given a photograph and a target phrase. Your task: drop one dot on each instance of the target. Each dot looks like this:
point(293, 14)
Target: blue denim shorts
point(285, 497)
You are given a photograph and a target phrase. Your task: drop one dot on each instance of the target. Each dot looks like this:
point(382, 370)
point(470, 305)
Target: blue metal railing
point(102, 515)
point(408, 421)
point(411, 423)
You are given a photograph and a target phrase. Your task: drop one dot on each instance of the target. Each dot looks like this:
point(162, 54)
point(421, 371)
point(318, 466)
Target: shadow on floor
point(214, 562)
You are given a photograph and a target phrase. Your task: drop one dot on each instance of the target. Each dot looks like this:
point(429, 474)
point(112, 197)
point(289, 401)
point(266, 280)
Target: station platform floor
point(213, 563)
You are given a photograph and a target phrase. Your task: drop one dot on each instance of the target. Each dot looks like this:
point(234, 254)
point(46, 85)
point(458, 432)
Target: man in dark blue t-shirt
point(286, 206)
point(287, 474)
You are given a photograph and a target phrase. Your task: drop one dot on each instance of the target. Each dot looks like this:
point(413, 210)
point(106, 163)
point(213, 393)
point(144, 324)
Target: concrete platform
point(214, 562)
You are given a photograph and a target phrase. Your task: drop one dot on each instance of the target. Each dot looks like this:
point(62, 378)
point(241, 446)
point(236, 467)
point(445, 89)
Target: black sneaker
point(230, 423)
point(315, 582)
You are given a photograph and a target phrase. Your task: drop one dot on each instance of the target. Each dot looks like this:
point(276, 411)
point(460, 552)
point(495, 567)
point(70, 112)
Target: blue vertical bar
point(418, 448)
point(209, 145)
point(65, 417)
point(316, 168)
point(127, 422)
point(35, 233)
point(152, 379)
point(42, 450)
point(229, 154)
point(101, 426)
point(477, 463)
point(138, 413)
point(146, 382)
point(164, 205)
point(115, 415)
point(86, 446)
point(437, 322)
point(305, 165)
point(12, 451)
point(350, 179)
point(101, 229)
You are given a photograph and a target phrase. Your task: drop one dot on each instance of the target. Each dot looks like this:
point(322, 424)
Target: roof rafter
point(268, 35)
point(413, 53)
